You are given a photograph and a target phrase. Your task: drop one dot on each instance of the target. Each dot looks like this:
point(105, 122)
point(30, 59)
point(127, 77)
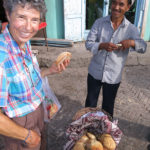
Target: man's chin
point(25, 39)
point(115, 16)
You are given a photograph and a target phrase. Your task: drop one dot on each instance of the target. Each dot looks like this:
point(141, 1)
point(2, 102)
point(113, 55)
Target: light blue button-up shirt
point(108, 66)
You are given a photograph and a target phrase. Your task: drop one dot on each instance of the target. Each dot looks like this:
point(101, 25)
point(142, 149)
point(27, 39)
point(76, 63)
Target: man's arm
point(11, 129)
point(108, 46)
point(91, 43)
point(55, 68)
point(135, 42)
point(126, 44)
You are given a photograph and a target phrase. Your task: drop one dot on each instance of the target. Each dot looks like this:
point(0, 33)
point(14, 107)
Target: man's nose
point(28, 25)
point(116, 7)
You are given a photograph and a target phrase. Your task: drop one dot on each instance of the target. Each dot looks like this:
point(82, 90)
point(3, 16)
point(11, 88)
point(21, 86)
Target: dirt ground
point(132, 106)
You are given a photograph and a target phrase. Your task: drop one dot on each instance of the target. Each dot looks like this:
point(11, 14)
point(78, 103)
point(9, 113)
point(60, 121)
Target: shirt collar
point(14, 48)
point(123, 24)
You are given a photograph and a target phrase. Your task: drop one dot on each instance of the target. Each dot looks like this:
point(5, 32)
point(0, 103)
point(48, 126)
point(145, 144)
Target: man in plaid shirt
point(21, 92)
point(25, 91)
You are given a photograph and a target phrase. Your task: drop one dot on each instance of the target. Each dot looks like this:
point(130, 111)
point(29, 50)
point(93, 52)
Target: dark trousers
point(109, 94)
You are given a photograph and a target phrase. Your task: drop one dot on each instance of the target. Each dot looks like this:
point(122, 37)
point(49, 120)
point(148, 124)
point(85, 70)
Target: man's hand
point(10, 129)
point(63, 65)
point(55, 68)
point(126, 44)
point(58, 68)
point(108, 46)
point(33, 140)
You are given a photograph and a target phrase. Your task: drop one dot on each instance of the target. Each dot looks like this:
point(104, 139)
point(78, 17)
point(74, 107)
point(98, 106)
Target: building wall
point(55, 19)
point(147, 26)
point(56, 28)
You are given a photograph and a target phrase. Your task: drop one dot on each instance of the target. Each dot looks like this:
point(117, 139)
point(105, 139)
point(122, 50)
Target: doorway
point(94, 10)
point(100, 8)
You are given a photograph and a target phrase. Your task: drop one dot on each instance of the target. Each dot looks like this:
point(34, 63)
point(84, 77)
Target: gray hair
point(39, 5)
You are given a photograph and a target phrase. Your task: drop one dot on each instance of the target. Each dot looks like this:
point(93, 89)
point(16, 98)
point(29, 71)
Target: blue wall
point(147, 28)
point(55, 19)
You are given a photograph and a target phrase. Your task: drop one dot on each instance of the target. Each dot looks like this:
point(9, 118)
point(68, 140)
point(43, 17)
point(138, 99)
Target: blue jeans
point(109, 94)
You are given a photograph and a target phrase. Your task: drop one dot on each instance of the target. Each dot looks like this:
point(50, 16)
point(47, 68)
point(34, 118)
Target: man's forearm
point(11, 129)
point(102, 46)
point(44, 72)
point(132, 43)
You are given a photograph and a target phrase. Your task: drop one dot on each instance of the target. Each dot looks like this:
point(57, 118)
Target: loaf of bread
point(63, 56)
point(92, 143)
point(107, 141)
point(80, 144)
point(84, 139)
point(91, 136)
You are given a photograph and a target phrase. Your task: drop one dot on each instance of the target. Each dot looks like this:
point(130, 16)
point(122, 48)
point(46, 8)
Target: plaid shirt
point(20, 81)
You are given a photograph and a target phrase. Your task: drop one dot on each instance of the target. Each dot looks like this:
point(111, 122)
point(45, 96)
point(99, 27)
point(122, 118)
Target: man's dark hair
point(129, 2)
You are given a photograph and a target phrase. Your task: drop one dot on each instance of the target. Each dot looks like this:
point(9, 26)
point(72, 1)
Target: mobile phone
point(119, 45)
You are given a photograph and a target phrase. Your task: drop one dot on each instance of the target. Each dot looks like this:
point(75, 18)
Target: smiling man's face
point(119, 8)
point(23, 23)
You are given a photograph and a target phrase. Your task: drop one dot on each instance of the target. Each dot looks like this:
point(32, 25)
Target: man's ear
point(129, 6)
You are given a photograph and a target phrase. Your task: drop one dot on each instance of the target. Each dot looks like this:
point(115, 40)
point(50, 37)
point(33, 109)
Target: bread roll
point(92, 143)
point(63, 56)
point(80, 144)
point(105, 148)
point(91, 136)
point(108, 141)
point(83, 139)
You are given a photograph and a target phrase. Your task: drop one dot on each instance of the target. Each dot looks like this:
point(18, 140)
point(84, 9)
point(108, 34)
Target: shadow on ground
point(130, 129)
point(57, 127)
point(138, 76)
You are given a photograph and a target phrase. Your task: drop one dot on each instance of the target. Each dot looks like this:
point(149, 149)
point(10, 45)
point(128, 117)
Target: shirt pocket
point(20, 87)
point(35, 76)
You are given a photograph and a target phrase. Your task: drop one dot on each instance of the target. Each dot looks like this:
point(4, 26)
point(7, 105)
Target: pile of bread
point(90, 142)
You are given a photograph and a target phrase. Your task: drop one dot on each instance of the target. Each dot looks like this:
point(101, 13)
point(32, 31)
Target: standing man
point(21, 92)
point(110, 40)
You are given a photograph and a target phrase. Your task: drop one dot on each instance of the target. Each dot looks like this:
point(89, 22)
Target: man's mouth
point(116, 11)
point(25, 35)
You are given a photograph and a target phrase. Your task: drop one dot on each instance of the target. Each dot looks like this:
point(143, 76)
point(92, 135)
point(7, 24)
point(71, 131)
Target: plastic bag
point(51, 104)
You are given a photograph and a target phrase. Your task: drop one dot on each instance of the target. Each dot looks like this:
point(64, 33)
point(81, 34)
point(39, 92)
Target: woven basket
point(85, 110)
